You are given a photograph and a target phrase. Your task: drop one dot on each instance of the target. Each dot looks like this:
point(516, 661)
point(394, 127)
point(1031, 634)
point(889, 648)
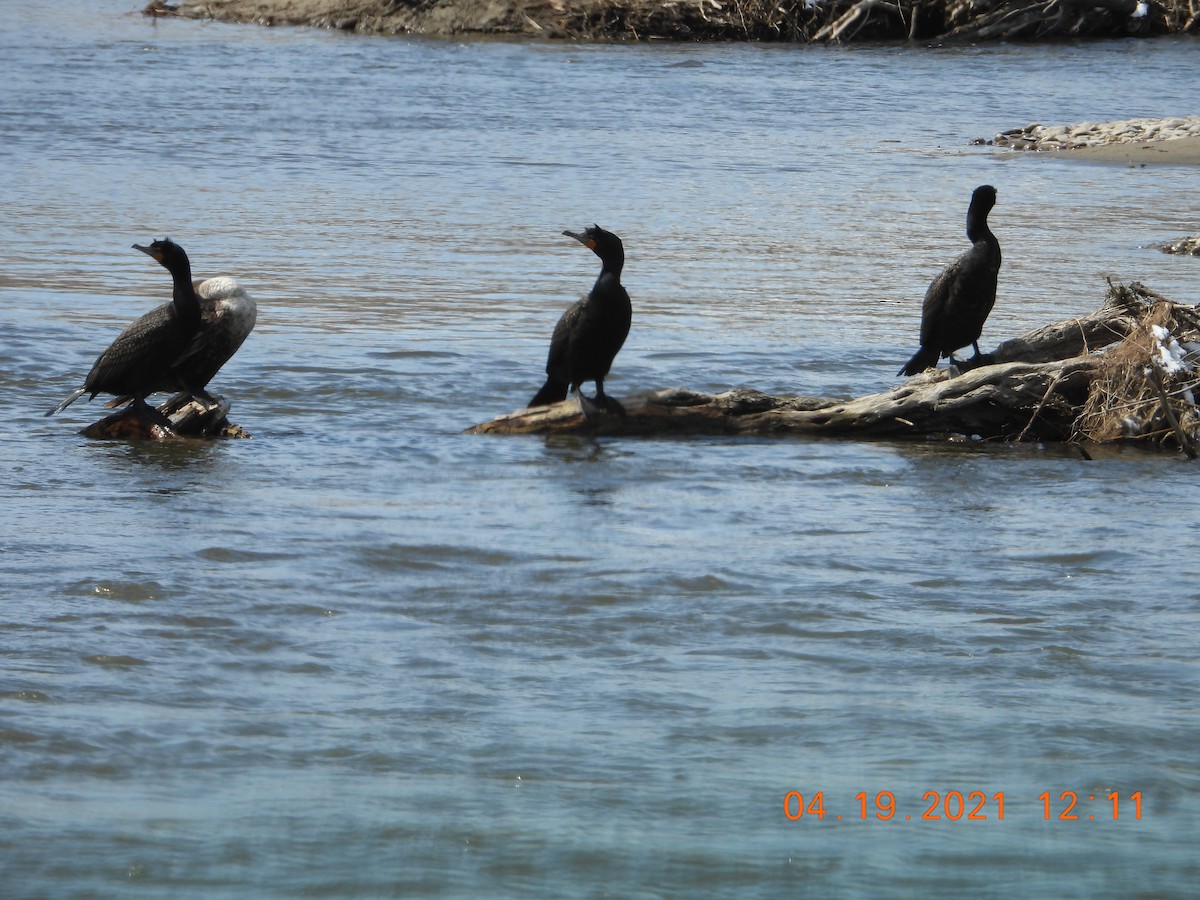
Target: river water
point(362, 654)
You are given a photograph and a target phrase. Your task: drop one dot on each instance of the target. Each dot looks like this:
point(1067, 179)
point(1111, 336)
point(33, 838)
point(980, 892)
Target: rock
point(1093, 134)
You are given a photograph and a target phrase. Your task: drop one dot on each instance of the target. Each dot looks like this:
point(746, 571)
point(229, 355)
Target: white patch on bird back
point(231, 302)
point(220, 288)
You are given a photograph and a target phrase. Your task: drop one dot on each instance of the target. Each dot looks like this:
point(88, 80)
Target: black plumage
point(960, 298)
point(178, 346)
point(591, 332)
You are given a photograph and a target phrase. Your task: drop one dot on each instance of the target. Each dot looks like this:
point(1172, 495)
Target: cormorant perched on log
point(591, 332)
point(959, 300)
point(178, 346)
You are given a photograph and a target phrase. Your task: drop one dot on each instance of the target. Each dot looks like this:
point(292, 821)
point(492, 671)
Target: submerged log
point(1131, 362)
point(183, 416)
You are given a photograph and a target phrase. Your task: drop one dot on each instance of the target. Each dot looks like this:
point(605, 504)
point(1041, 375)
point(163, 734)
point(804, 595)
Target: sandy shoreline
point(1177, 152)
point(1171, 140)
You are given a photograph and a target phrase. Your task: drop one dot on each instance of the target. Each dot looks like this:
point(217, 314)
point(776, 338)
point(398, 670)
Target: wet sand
point(1178, 152)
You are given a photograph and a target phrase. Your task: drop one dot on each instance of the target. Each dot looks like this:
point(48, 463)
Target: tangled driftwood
point(1144, 388)
point(1124, 373)
point(181, 416)
point(716, 20)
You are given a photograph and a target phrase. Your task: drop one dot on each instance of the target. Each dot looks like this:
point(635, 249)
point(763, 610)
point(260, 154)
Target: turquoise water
point(362, 654)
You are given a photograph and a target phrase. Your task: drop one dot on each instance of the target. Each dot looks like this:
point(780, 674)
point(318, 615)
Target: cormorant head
point(166, 252)
point(604, 244)
point(982, 200)
point(984, 197)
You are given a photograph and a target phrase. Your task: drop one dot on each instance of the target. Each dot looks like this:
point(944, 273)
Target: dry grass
point(713, 20)
point(1135, 394)
point(845, 20)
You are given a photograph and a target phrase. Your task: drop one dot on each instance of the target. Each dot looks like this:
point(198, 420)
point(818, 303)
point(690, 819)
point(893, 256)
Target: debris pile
point(1188, 246)
point(1143, 388)
point(716, 20)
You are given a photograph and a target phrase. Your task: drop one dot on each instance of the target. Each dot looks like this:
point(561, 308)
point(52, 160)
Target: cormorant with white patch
point(178, 346)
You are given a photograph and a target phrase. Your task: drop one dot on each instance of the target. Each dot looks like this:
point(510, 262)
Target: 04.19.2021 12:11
point(971, 806)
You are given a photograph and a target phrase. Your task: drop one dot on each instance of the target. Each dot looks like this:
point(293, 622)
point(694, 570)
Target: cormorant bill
point(171, 348)
point(591, 331)
point(960, 298)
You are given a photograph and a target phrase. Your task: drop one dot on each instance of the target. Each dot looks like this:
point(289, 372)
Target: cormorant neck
point(187, 304)
point(613, 262)
point(977, 224)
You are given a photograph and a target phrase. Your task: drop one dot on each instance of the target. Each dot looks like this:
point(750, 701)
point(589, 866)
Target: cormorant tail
point(552, 392)
point(75, 395)
point(922, 360)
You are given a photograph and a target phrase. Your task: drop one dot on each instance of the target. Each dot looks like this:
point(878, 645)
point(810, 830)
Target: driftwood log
point(183, 416)
point(1124, 372)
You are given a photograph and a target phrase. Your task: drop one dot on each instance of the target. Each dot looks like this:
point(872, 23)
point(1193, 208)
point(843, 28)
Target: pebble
point(1093, 134)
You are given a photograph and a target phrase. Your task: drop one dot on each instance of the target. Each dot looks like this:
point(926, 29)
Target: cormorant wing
point(560, 340)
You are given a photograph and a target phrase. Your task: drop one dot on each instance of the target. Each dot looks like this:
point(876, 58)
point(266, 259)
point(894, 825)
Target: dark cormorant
point(959, 300)
point(178, 346)
point(591, 332)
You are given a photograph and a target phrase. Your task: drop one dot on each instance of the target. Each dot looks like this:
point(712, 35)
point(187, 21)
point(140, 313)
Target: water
point(364, 655)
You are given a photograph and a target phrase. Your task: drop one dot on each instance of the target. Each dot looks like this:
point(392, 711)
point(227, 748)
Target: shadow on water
point(195, 459)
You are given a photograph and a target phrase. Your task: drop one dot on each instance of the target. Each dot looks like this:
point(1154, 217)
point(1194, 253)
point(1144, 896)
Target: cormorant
point(592, 330)
point(959, 300)
point(178, 346)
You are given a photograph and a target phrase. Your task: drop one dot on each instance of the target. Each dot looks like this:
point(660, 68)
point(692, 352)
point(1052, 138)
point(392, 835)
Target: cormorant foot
point(150, 414)
point(601, 403)
point(611, 404)
point(587, 406)
point(966, 365)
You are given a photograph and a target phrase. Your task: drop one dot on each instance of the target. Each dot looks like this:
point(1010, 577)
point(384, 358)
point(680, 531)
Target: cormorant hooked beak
point(150, 251)
point(583, 238)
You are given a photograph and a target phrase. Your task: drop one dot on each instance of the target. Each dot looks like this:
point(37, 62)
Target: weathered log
point(1113, 321)
point(182, 416)
point(999, 401)
point(1037, 389)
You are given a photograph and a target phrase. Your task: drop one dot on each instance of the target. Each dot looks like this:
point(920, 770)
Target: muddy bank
point(714, 20)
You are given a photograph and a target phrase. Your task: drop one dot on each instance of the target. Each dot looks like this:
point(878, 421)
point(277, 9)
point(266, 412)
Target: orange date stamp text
point(966, 806)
